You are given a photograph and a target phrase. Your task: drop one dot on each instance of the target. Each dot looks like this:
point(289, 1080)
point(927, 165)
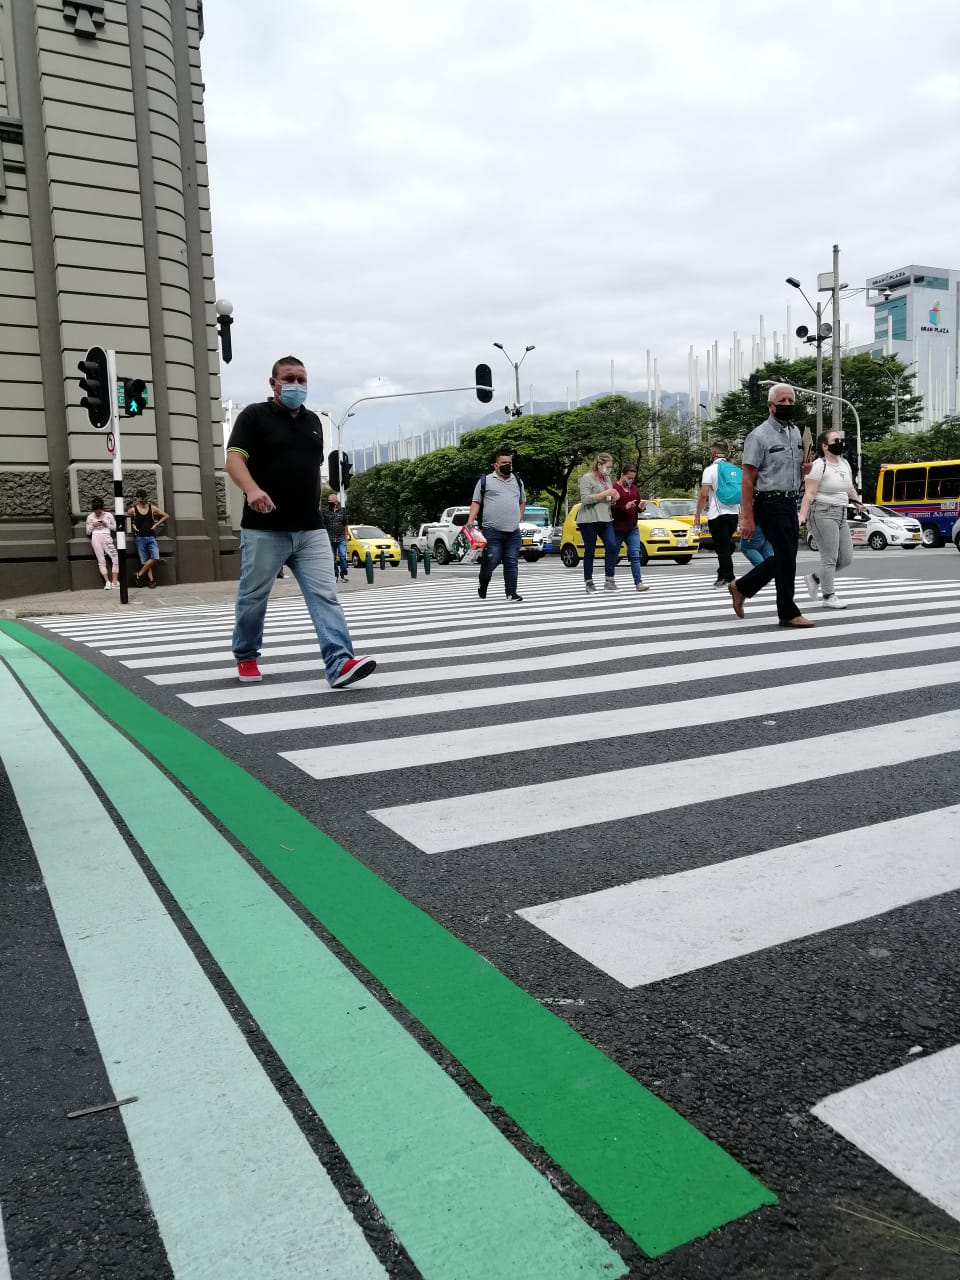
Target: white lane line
point(595, 657)
point(908, 1120)
point(439, 647)
point(654, 929)
point(511, 813)
point(4, 1258)
point(382, 754)
point(342, 710)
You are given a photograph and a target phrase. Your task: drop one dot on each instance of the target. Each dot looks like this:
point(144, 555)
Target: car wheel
point(644, 555)
point(441, 552)
point(569, 555)
point(682, 559)
point(355, 560)
point(877, 541)
point(812, 542)
point(931, 536)
point(531, 557)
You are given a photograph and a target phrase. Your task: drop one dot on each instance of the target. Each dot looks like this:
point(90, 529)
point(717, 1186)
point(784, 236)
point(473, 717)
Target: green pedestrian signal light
point(136, 397)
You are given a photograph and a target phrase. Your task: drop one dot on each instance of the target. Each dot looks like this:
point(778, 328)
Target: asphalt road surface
point(592, 936)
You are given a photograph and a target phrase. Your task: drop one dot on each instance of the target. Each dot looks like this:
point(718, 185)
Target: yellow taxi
point(661, 538)
point(362, 538)
point(682, 509)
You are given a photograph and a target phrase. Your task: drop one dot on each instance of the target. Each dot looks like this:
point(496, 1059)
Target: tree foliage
point(869, 385)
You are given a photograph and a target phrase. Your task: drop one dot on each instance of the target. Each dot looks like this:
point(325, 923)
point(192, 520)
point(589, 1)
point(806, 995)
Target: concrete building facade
point(105, 239)
point(916, 312)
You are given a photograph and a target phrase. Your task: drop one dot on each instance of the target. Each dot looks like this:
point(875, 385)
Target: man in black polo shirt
point(274, 455)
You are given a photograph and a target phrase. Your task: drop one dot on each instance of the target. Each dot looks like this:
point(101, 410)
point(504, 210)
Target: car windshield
point(540, 518)
point(367, 531)
point(886, 513)
point(677, 506)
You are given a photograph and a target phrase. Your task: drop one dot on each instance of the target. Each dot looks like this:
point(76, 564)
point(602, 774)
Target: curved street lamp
point(517, 407)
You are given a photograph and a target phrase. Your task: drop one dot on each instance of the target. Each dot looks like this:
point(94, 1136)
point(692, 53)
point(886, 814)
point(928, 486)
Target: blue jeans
point(756, 549)
point(262, 554)
point(603, 530)
point(147, 548)
point(632, 539)
point(340, 558)
point(502, 548)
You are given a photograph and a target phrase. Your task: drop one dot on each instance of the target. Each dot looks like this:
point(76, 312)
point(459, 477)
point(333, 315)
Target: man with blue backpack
point(720, 494)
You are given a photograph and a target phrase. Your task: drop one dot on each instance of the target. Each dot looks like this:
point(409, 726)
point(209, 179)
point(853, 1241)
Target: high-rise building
point(105, 240)
point(916, 313)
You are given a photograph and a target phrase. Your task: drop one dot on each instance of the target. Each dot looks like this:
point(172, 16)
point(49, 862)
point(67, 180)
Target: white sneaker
point(642, 586)
point(107, 586)
point(833, 602)
point(813, 586)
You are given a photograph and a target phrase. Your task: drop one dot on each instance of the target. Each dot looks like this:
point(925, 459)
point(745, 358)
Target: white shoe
point(107, 586)
point(813, 585)
point(833, 602)
point(642, 586)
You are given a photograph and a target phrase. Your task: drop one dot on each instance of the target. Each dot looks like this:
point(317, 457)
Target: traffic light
point(95, 385)
point(517, 411)
point(483, 379)
point(135, 396)
point(754, 394)
point(346, 471)
point(333, 469)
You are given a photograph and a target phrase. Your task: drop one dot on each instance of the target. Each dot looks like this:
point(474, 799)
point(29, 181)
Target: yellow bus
point(928, 491)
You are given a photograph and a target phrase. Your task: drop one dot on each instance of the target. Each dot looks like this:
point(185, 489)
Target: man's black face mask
point(784, 412)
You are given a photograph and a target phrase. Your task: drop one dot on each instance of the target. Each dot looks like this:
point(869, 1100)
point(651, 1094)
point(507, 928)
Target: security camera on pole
point(822, 332)
point(517, 410)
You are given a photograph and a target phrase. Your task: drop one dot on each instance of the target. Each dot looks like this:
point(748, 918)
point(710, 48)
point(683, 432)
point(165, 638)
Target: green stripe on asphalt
point(652, 1172)
point(464, 1202)
point(229, 1175)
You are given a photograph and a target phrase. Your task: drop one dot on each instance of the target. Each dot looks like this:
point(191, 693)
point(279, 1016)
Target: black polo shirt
point(283, 453)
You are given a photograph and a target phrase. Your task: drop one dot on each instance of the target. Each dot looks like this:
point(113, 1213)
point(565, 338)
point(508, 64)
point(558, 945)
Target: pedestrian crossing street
point(648, 786)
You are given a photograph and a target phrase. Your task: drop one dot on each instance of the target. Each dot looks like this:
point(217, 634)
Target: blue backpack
point(729, 478)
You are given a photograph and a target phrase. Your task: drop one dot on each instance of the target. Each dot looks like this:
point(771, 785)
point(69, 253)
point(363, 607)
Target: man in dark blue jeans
point(502, 499)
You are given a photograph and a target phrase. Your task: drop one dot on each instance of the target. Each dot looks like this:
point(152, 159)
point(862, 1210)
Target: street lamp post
point(895, 379)
point(823, 332)
point(515, 365)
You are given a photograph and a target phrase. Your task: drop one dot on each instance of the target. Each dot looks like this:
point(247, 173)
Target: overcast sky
point(397, 184)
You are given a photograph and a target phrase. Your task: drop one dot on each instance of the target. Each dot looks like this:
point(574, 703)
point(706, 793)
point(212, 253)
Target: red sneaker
point(353, 669)
point(248, 672)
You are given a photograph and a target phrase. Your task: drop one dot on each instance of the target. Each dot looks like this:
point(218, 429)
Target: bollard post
point(426, 560)
point(368, 565)
point(383, 558)
point(412, 561)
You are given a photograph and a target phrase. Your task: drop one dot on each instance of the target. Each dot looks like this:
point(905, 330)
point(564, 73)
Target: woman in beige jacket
point(595, 519)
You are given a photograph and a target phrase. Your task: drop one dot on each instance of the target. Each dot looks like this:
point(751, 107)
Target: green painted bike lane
point(651, 1171)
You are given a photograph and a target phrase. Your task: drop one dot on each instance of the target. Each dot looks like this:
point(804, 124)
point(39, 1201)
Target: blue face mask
point(292, 395)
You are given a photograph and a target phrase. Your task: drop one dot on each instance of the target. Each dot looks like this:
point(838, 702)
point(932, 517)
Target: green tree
point(381, 496)
point(867, 383)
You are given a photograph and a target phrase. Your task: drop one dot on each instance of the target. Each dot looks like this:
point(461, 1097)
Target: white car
point(881, 528)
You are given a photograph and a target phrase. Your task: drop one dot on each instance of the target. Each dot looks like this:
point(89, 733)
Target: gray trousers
point(828, 524)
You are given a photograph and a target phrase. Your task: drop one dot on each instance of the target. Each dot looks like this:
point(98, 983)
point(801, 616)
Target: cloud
point(395, 187)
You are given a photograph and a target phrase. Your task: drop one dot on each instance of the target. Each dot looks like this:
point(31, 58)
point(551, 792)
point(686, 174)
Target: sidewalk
point(142, 600)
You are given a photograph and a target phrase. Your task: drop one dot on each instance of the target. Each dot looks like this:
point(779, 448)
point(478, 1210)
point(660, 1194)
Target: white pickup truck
point(438, 538)
point(536, 534)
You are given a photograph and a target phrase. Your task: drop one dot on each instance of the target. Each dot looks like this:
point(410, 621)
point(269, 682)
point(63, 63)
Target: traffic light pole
point(113, 447)
point(397, 395)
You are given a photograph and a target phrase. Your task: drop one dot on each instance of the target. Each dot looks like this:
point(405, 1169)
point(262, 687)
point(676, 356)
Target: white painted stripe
point(512, 813)
point(657, 928)
point(344, 710)
point(908, 1120)
point(440, 647)
point(594, 657)
point(382, 754)
point(204, 1101)
point(4, 1259)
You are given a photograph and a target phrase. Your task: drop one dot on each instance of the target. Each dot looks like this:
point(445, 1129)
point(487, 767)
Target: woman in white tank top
point(828, 491)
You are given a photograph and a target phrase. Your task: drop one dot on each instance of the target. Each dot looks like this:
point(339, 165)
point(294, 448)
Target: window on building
point(910, 484)
point(944, 480)
point(932, 282)
point(898, 310)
